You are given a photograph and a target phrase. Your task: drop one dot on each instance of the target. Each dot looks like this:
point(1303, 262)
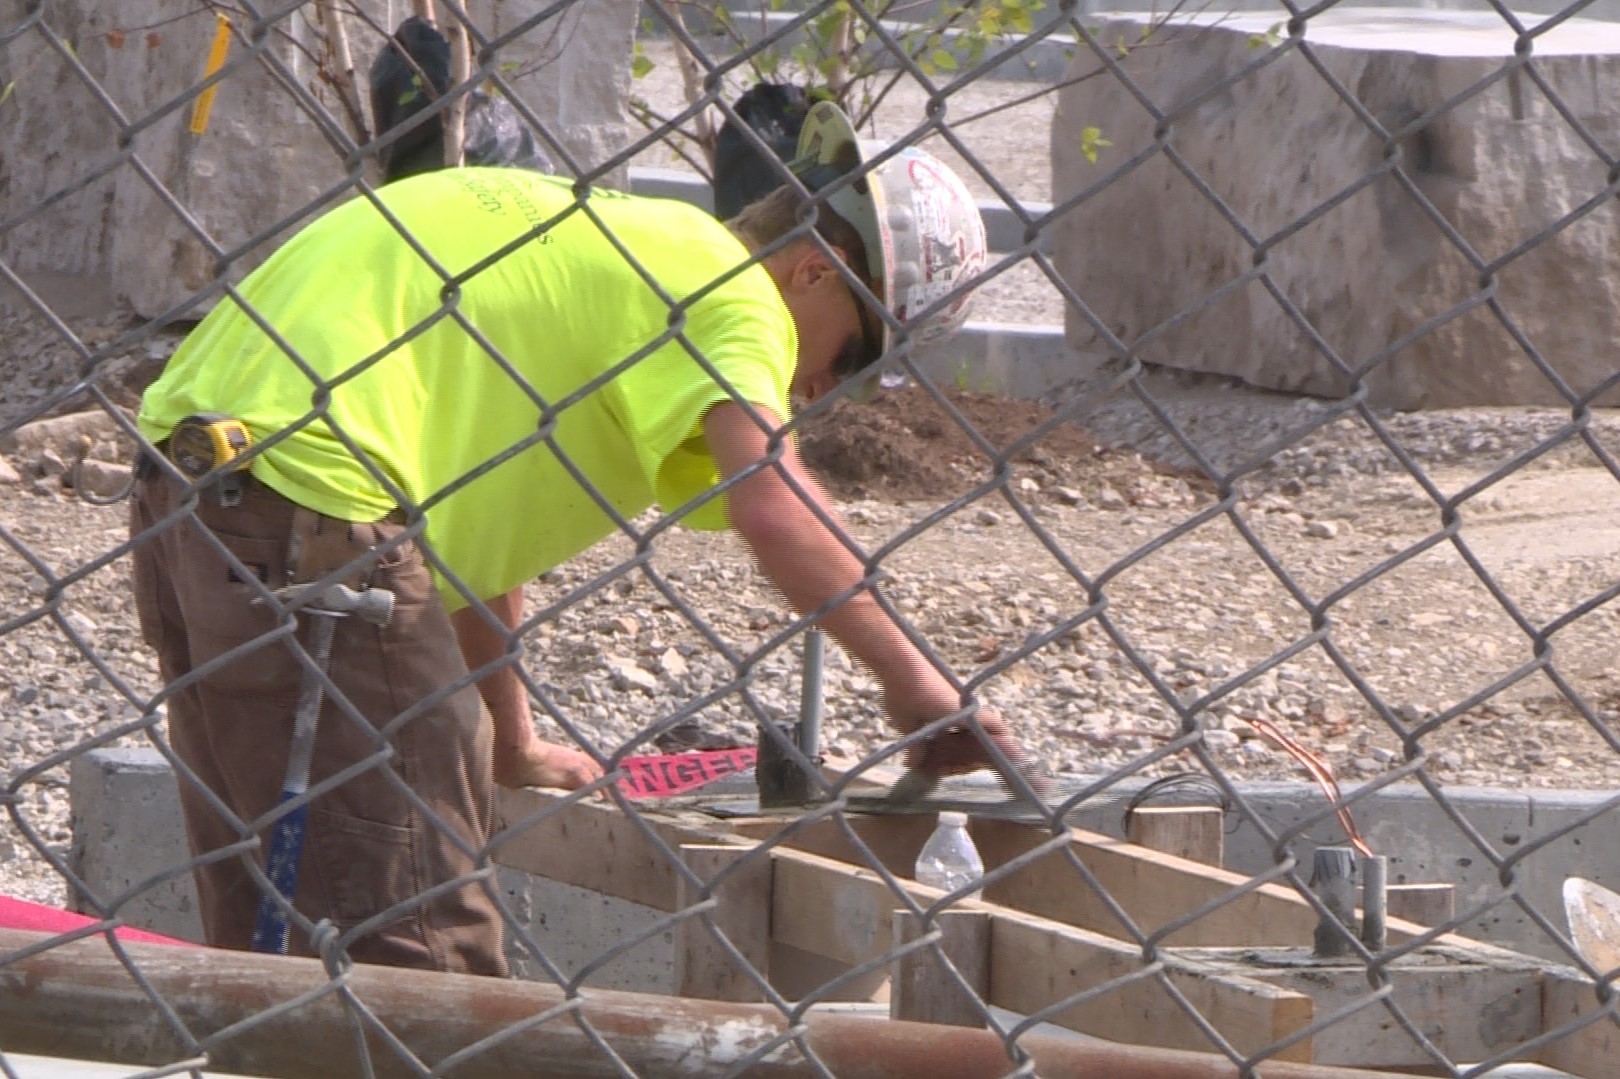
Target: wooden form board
point(1034, 965)
point(592, 845)
point(1050, 938)
point(1474, 1008)
point(741, 889)
point(1194, 832)
point(845, 913)
point(842, 911)
point(1591, 1052)
point(923, 990)
point(1156, 888)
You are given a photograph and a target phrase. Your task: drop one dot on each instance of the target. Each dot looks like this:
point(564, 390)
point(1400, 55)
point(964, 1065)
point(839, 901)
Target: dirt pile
point(908, 445)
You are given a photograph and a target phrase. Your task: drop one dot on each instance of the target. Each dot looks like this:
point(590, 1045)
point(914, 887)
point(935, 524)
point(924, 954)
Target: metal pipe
point(1374, 902)
point(1333, 879)
point(811, 692)
point(78, 999)
point(781, 780)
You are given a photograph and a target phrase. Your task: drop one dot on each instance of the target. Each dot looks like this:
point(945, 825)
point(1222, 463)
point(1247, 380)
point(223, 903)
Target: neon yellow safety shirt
point(427, 402)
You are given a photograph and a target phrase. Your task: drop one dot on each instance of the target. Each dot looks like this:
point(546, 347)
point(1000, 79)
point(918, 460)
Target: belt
point(146, 466)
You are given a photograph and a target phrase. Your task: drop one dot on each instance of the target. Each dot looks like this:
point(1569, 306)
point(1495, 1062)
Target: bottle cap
point(958, 820)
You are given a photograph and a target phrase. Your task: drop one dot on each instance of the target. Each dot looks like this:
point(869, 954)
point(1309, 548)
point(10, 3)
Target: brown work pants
point(370, 849)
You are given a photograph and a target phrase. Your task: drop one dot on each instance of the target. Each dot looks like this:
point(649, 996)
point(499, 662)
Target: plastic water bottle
point(949, 859)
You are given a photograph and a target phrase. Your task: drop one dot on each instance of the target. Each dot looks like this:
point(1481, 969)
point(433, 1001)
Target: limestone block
point(265, 162)
point(1279, 144)
point(101, 479)
point(68, 435)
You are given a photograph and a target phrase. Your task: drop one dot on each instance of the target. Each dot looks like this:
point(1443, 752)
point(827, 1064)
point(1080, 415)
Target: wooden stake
point(923, 991)
point(344, 80)
point(1194, 832)
point(704, 969)
point(1425, 904)
point(455, 120)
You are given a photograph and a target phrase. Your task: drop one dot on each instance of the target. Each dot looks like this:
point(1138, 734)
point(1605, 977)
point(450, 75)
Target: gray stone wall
point(1501, 164)
point(263, 160)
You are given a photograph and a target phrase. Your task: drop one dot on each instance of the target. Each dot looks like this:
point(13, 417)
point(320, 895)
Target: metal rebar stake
point(783, 781)
point(1374, 902)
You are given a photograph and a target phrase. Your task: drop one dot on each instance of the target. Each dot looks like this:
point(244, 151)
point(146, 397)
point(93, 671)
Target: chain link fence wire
point(142, 153)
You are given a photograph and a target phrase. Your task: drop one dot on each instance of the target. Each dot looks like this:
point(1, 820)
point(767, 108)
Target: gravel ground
point(1195, 606)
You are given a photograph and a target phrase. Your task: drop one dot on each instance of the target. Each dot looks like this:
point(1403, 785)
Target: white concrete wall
point(262, 159)
point(1279, 143)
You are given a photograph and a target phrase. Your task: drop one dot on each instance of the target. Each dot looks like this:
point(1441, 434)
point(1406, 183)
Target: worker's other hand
point(545, 764)
point(959, 749)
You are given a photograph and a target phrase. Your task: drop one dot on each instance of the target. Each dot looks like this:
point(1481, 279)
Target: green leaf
point(641, 66)
point(805, 56)
point(5, 94)
point(1091, 140)
point(1268, 40)
point(944, 60)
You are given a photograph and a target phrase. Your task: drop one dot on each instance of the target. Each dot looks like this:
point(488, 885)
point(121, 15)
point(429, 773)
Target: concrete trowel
point(1594, 922)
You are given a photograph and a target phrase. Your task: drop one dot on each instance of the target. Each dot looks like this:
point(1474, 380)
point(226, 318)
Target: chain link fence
point(160, 151)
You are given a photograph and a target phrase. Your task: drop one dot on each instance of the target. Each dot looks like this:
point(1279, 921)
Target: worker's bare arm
point(811, 565)
point(522, 759)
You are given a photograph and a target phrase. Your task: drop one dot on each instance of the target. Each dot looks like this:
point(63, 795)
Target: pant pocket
point(363, 867)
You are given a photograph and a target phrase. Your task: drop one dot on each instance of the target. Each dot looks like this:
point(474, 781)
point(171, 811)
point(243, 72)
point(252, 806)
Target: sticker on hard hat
point(949, 254)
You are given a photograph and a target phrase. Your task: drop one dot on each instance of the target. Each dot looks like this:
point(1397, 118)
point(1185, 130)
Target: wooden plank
point(835, 909)
point(1591, 1051)
point(796, 973)
point(593, 845)
point(1034, 964)
point(924, 991)
point(1154, 888)
point(703, 967)
point(895, 841)
point(844, 912)
point(1471, 1009)
point(1422, 904)
point(1197, 833)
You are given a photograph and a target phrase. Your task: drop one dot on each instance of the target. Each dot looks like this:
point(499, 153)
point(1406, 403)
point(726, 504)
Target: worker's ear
point(813, 269)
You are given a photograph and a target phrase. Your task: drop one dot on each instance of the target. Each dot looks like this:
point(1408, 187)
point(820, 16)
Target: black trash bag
point(743, 175)
point(495, 133)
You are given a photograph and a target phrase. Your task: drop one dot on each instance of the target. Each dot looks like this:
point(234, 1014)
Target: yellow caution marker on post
point(216, 60)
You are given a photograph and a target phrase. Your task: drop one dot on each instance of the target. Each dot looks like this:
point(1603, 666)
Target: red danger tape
point(677, 773)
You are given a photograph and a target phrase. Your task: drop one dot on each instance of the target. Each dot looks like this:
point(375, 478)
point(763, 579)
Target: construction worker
point(445, 397)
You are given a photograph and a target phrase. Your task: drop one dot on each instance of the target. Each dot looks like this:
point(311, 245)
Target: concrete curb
point(1002, 226)
point(1042, 60)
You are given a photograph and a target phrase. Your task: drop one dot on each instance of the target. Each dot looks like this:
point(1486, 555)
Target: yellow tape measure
point(207, 441)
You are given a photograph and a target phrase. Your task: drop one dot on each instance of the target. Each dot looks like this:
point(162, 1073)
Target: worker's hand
point(545, 764)
point(925, 696)
point(959, 749)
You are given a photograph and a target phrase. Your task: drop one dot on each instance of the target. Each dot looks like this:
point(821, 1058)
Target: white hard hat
point(922, 230)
